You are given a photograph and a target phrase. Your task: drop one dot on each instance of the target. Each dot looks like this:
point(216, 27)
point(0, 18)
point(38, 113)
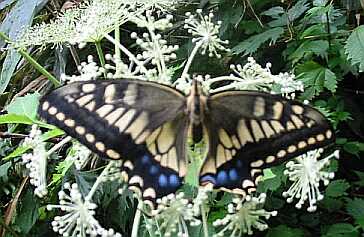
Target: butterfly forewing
point(136, 121)
point(249, 131)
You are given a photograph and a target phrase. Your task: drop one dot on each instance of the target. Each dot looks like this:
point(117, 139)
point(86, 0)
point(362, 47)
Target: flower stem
point(127, 52)
point(100, 53)
point(33, 62)
point(58, 145)
point(204, 221)
point(136, 222)
point(117, 52)
point(190, 59)
point(98, 181)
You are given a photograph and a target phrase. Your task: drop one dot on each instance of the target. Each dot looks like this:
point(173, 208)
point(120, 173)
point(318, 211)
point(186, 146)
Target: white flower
point(253, 76)
point(88, 71)
point(243, 216)
point(36, 162)
point(306, 173)
point(172, 213)
point(205, 33)
point(79, 154)
point(89, 22)
point(78, 219)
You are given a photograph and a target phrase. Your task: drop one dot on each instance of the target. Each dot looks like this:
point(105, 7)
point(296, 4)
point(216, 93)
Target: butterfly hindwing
point(136, 121)
point(248, 131)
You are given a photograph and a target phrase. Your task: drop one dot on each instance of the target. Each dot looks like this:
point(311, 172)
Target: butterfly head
point(196, 103)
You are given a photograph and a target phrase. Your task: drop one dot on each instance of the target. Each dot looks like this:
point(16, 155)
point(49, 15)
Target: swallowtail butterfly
point(147, 124)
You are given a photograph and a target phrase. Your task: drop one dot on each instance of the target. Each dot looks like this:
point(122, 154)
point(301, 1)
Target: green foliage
point(355, 47)
point(355, 208)
point(341, 230)
point(251, 44)
point(316, 78)
point(285, 231)
point(26, 106)
point(337, 188)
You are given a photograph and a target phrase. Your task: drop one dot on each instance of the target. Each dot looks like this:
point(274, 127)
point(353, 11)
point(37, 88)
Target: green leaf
point(353, 147)
point(272, 179)
point(337, 188)
point(44, 137)
point(341, 230)
point(252, 44)
point(355, 208)
point(315, 77)
point(315, 47)
point(28, 213)
point(15, 118)
point(25, 105)
point(287, 16)
point(285, 231)
point(331, 204)
point(354, 47)
point(14, 25)
point(361, 178)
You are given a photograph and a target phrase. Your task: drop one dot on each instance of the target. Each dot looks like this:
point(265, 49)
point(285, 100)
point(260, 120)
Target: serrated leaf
point(354, 47)
point(315, 77)
point(274, 12)
point(284, 231)
point(361, 178)
point(25, 105)
point(252, 44)
point(337, 188)
point(341, 230)
point(331, 204)
point(292, 14)
point(355, 208)
point(315, 47)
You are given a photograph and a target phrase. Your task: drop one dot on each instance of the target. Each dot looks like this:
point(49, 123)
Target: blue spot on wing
point(174, 180)
point(233, 175)
point(222, 177)
point(153, 170)
point(162, 180)
point(146, 160)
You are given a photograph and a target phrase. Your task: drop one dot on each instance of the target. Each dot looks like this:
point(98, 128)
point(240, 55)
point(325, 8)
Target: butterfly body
point(147, 125)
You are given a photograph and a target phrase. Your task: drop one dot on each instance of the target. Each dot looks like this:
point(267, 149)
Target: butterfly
point(147, 125)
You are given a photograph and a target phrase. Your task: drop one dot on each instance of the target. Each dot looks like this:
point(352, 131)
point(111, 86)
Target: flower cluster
point(172, 213)
point(244, 215)
point(88, 71)
point(306, 173)
point(205, 33)
point(36, 162)
point(78, 219)
point(79, 154)
point(253, 76)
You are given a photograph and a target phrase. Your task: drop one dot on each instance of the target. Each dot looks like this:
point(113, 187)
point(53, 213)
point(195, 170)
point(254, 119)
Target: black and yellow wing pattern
point(140, 122)
point(249, 131)
point(147, 124)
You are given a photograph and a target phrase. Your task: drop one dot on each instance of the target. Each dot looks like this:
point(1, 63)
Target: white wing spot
point(52, 110)
point(257, 163)
point(45, 105)
point(88, 87)
point(69, 122)
point(60, 116)
point(80, 130)
point(113, 154)
point(101, 147)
